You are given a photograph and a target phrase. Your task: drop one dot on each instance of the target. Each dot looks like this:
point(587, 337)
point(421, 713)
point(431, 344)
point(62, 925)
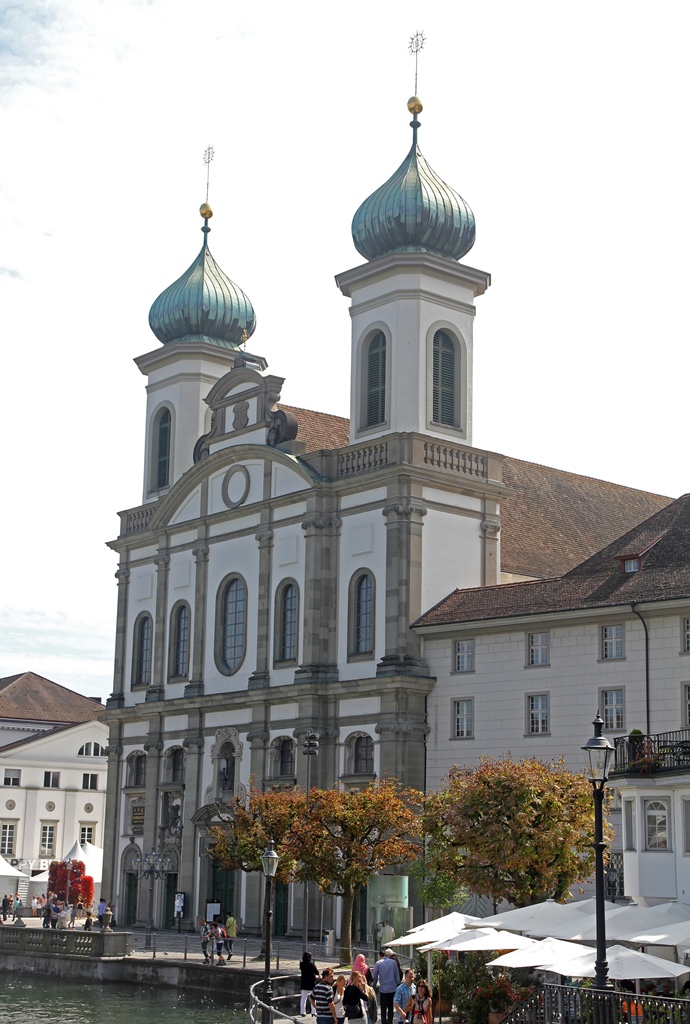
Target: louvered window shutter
point(376, 380)
point(444, 379)
point(163, 451)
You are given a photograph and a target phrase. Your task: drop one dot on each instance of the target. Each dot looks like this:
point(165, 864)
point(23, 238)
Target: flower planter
point(496, 1016)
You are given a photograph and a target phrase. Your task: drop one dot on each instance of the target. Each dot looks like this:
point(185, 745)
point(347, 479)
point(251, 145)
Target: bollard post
point(153, 947)
point(277, 956)
point(185, 946)
point(244, 955)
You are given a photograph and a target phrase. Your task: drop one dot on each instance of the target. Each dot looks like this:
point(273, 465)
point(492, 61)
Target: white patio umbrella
point(623, 963)
point(621, 922)
point(675, 933)
point(434, 931)
point(482, 938)
point(532, 956)
point(547, 915)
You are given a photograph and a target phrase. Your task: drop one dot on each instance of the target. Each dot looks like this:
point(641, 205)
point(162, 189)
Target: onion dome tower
point(414, 211)
point(412, 306)
point(202, 319)
point(203, 304)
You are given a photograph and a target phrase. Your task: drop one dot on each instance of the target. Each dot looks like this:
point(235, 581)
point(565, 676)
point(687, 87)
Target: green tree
point(519, 831)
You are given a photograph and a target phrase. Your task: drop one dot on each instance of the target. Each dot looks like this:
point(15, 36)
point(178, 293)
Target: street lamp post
point(598, 755)
point(69, 877)
point(310, 749)
point(152, 866)
point(269, 864)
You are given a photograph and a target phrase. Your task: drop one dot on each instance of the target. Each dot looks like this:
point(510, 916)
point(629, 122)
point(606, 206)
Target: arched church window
point(232, 625)
point(376, 380)
point(162, 435)
point(177, 765)
point(444, 382)
point(179, 648)
point(286, 761)
point(226, 770)
point(136, 770)
point(286, 622)
point(361, 615)
point(141, 661)
point(364, 756)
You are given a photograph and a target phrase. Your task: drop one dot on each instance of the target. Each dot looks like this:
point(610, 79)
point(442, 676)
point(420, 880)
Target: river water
point(27, 998)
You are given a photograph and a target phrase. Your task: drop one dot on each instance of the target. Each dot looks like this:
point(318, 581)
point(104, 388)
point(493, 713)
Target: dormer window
point(631, 565)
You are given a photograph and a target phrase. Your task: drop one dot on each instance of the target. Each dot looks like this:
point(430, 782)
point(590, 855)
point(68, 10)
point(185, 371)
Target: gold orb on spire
point(414, 105)
point(205, 211)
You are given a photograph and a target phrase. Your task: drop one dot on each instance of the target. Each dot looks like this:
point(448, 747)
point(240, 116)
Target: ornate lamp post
point(152, 866)
point(598, 756)
point(310, 749)
point(68, 862)
point(269, 864)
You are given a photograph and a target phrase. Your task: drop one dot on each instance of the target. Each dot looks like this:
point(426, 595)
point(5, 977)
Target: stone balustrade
point(64, 942)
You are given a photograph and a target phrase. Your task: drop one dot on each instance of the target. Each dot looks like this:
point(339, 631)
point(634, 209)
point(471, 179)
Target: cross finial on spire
point(416, 44)
point(209, 153)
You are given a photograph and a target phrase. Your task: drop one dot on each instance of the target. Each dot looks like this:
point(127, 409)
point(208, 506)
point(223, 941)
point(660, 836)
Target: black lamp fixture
point(269, 866)
point(598, 753)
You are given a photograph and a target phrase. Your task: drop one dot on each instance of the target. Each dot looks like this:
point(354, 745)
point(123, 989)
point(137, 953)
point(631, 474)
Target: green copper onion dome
point(414, 211)
point(203, 304)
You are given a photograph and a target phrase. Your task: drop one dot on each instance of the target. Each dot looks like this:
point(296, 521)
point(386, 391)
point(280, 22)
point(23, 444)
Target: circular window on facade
point(10, 805)
point(50, 806)
point(88, 808)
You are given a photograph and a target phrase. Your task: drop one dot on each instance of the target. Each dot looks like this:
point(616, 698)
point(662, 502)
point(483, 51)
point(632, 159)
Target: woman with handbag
point(353, 996)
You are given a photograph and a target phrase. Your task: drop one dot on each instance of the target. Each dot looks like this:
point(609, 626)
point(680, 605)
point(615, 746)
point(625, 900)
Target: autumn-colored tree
point(246, 826)
point(59, 873)
point(87, 892)
point(519, 831)
point(348, 837)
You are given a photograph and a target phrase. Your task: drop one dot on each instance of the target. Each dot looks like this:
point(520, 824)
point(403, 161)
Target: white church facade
point(268, 580)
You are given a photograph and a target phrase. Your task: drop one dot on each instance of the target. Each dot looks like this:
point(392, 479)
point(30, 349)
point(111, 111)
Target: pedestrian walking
point(308, 977)
point(230, 933)
point(386, 974)
point(322, 998)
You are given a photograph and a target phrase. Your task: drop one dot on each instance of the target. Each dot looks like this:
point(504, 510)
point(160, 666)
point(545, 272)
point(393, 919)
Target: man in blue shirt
point(387, 974)
point(405, 989)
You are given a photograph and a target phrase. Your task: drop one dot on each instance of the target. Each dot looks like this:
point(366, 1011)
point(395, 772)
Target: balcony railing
point(652, 755)
point(563, 1004)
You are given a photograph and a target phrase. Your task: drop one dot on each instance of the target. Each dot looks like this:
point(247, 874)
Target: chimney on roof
point(96, 700)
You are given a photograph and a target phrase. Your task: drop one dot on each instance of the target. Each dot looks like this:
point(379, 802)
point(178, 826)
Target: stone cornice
point(414, 262)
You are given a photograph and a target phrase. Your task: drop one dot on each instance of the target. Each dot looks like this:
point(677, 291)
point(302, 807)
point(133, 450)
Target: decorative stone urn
point(107, 920)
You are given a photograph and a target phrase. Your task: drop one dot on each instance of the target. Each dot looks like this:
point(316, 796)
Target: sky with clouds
point(563, 126)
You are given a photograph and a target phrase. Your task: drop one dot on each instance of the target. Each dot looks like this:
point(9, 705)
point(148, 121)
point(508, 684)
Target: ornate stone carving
point(162, 562)
point(241, 415)
point(264, 537)
point(113, 749)
point(195, 741)
point(200, 553)
point(490, 528)
point(403, 727)
point(407, 509)
point(153, 745)
point(283, 426)
point(323, 522)
point(227, 735)
point(202, 448)
point(259, 733)
point(122, 577)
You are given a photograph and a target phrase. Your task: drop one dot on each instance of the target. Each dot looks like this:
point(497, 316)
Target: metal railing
point(563, 1004)
point(662, 752)
point(267, 1012)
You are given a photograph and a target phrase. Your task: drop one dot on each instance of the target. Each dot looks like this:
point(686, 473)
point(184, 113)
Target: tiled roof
point(555, 519)
point(29, 697)
point(320, 429)
point(552, 520)
point(598, 582)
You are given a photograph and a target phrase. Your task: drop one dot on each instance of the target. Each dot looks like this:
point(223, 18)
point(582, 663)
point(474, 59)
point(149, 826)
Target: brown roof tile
point(320, 429)
point(597, 582)
point(33, 698)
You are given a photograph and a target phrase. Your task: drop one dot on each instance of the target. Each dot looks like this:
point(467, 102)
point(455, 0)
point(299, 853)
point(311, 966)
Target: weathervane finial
point(416, 44)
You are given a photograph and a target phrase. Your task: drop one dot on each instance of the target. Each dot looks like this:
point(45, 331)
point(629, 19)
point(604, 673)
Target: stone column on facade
point(261, 675)
point(491, 556)
point(403, 729)
point(112, 816)
point(117, 697)
point(195, 686)
point(156, 690)
point(320, 636)
point(404, 519)
point(154, 750)
point(189, 860)
point(257, 738)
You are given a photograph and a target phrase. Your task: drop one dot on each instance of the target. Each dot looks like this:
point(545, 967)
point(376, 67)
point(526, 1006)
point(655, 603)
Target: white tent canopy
point(435, 931)
point(91, 856)
point(7, 871)
point(623, 963)
point(623, 922)
point(482, 938)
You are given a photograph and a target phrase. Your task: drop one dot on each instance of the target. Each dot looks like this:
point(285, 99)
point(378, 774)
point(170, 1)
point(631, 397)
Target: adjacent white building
point(53, 771)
